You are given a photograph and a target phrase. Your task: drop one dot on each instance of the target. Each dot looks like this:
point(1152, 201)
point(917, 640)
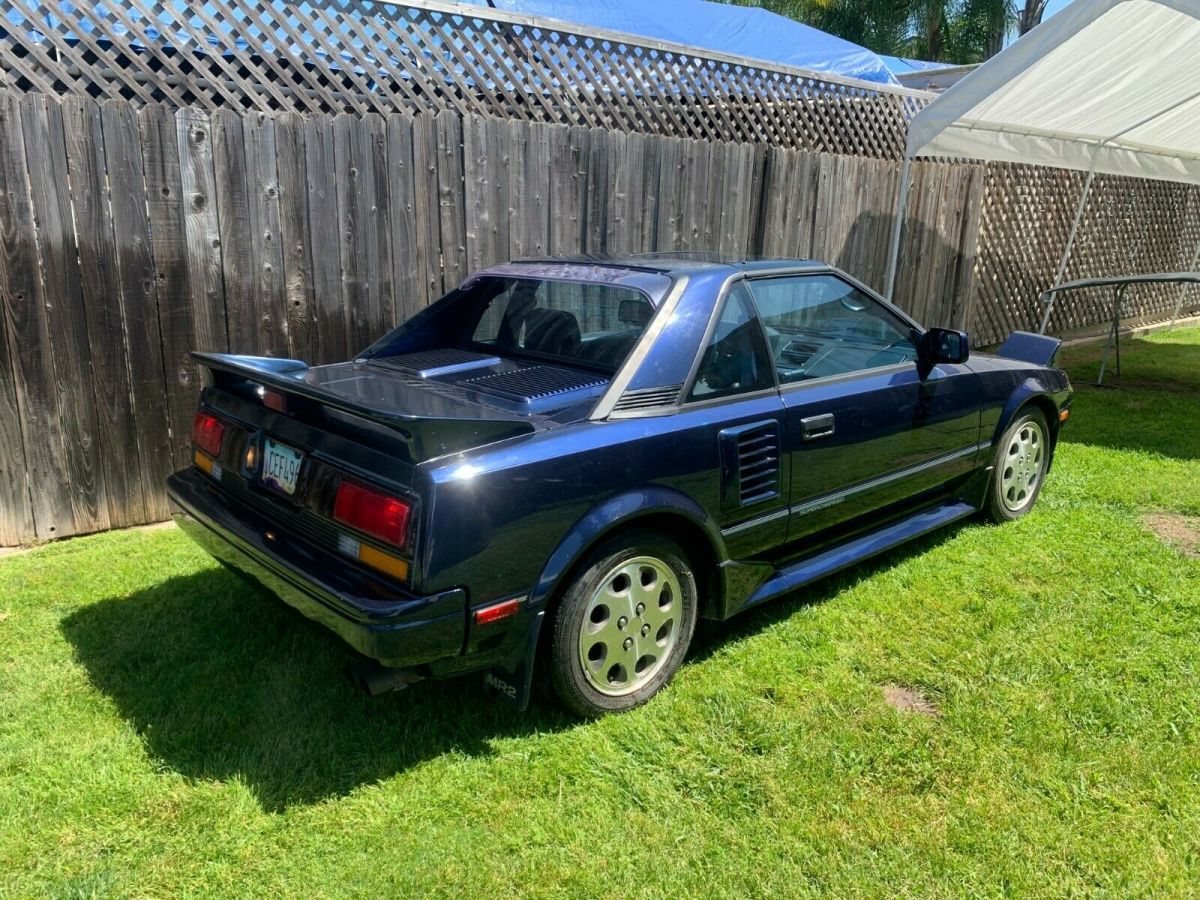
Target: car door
point(867, 426)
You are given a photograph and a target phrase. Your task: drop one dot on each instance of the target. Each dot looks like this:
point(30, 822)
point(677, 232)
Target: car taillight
point(207, 432)
point(372, 513)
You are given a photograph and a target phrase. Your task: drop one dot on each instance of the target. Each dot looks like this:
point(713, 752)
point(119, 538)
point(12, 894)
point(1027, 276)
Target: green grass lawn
point(165, 731)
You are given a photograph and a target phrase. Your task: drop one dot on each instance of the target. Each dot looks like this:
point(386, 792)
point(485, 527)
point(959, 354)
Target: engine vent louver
point(648, 398)
point(430, 363)
point(750, 460)
point(534, 382)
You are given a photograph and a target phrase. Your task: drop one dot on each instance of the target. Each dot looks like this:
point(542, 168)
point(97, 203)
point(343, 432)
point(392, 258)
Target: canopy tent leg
point(1066, 254)
point(1114, 334)
point(898, 226)
point(1186, 290)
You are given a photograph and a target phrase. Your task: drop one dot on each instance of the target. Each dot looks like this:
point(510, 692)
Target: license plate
point(281, 466)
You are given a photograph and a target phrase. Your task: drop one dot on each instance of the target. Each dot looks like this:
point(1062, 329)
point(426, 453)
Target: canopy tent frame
point(1120, 284)
point(957, 124)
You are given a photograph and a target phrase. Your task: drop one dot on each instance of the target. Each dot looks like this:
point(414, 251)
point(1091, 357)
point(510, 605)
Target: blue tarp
point(737, 30)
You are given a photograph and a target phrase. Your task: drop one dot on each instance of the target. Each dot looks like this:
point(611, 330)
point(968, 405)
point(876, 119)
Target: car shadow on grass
point(224, 682)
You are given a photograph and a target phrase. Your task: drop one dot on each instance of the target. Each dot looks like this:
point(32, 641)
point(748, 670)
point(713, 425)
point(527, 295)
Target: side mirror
point(944, 345)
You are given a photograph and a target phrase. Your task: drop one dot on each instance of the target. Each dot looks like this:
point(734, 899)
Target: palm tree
point(1031, 15)
point(956, 31)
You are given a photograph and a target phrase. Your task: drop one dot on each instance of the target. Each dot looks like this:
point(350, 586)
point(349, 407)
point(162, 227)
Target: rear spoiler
point(1031, 348)
point(427, 435)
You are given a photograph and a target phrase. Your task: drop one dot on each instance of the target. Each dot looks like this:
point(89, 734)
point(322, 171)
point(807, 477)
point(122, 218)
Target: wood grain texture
point(294, 229)
point(139, 303)
point(329, 320)
point(70, 346)
point(268, 291)
point(451, 209)
point(232, 185)
point(352, 220)
point(381, 313)
point(165, 204)
point(100, 289)
point(18, 311)
point(428, 247)
point(407, 262)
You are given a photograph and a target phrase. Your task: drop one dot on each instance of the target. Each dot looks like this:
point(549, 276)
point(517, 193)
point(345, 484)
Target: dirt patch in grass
point(909, 700)
point(1180, 532)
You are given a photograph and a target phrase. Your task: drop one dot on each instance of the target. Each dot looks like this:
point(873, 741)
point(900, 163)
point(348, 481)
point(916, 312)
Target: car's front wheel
point(623, 626)
point(1020, 465)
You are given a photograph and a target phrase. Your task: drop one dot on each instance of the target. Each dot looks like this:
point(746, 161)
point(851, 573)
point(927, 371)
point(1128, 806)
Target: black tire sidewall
point(996, 506)
point(566, 672)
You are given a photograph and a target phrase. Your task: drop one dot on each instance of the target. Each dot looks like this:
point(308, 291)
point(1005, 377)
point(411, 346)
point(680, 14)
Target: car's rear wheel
point(1020, 465)
point(623, 626)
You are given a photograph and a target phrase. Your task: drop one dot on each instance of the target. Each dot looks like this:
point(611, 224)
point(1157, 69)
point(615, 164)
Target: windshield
point(594, 324)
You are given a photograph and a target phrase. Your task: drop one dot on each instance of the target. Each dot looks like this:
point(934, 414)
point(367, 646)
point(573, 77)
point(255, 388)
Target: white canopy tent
point(1108, 86)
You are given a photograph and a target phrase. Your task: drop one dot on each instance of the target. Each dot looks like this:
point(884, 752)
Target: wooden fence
point(132, 236)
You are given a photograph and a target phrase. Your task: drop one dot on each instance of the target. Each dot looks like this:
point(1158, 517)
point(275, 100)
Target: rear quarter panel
point(496, 517)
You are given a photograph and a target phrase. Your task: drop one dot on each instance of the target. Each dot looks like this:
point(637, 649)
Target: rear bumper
point(373, 616)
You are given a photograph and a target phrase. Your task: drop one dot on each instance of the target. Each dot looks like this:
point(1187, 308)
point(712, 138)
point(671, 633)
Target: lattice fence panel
point(1129, 226)
point(359, 56)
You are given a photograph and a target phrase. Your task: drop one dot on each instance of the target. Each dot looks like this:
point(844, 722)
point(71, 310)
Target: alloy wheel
point(630, 626)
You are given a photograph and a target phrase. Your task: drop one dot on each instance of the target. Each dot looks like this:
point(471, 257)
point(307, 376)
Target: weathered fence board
point(166, 202)
point(329, 320)
point(294, 237)
point(78, 440)
point(139, 301)
point(99, 281)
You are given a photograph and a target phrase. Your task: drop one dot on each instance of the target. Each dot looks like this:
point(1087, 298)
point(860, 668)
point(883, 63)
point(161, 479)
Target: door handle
point(815, 427)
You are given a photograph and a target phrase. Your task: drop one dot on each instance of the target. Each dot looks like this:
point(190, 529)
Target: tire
point(1019, 466)
point(623, 625)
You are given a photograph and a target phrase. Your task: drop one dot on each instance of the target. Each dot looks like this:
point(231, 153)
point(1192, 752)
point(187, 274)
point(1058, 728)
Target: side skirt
point(808, 570)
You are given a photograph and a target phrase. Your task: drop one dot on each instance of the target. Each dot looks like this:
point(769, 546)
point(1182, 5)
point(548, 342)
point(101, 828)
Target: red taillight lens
point(495, 613)
point(207, 432)
point(373, 513)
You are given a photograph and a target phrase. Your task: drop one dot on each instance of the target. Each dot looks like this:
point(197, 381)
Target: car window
point(593, 323)
point(736, 359)
point(821, 325)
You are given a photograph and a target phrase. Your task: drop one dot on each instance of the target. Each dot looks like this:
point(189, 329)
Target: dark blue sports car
point(575, 460)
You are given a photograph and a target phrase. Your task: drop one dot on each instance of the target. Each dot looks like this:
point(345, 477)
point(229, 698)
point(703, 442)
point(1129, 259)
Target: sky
point(1054, 6)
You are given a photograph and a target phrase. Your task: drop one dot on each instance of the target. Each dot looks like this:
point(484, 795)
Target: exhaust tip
point(377, 679)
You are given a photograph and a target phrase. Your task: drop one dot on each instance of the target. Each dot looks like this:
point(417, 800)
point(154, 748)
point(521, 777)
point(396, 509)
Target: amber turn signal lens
point(204, 464)
point(376, 559)
point(384, 562)
point(1063, 414)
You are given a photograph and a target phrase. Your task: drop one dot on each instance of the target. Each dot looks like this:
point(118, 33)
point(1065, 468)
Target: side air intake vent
point(534, 382)
point(750, 463)
point(647, 398)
